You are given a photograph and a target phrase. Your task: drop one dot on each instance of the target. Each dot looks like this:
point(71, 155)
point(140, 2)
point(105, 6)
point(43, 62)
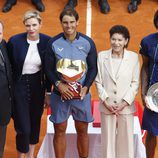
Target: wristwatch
point(57, 83)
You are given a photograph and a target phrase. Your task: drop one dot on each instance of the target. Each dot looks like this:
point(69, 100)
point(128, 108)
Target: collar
point(77, 36)
point(125, 56)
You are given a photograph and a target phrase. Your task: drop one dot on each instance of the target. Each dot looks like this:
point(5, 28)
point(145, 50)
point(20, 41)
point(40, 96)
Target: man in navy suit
point(6, 92)
point(9, 4)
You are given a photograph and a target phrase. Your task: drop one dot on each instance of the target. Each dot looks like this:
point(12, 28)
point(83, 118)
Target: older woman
point(27, 58)
point(117, 83)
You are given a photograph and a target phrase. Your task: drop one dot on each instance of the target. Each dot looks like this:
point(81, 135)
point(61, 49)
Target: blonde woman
point(27, 58)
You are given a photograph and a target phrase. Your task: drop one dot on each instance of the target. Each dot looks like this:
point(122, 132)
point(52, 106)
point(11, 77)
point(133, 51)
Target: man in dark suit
point(103, 4)
point(133, 6)
point(71, 3)
point(5, 91)
point(9, 4)
point(105, 7)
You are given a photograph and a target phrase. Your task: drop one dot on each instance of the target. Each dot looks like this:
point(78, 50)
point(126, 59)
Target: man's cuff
point(48, 93)
point(57, 83)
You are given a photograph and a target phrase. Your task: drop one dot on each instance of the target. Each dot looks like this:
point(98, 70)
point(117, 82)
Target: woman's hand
point(120, 106)
point(66, 91)
point(116, 108)
point(111, 108)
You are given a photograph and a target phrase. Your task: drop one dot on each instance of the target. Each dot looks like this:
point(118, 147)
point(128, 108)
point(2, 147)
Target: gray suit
point(5, 94)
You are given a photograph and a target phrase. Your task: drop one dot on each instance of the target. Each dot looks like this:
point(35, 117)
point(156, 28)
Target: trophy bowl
point(152, 97)
point(71, 71)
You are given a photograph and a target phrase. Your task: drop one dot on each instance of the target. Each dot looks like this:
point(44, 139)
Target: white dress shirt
point(32, 63)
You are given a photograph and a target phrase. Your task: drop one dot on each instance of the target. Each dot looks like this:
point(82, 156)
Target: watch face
point(152, 97)
point(57, 83)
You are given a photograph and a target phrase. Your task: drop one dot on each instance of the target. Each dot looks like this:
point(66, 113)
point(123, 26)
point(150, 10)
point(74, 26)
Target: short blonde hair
point(32, 14)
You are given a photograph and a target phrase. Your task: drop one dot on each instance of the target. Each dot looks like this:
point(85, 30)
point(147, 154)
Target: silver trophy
point(152, 97)
point(71, 71)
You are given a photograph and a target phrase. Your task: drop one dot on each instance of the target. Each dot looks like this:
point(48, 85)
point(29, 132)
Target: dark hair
point(156, 19)
point(120, 29)
point(70, 12)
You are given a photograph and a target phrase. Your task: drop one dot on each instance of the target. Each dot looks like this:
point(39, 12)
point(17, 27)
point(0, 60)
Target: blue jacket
point(17, 49)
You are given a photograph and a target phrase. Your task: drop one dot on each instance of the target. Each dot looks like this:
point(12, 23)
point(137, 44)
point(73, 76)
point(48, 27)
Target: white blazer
point(122, 87)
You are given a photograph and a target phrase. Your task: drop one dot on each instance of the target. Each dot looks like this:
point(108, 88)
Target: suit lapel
point(108, 65)
point(4, 52)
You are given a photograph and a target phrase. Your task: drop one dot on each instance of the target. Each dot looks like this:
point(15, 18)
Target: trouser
point(136, 1)
point(3, 130)
point(13, 1)
point(117, 136)
point(27, 111)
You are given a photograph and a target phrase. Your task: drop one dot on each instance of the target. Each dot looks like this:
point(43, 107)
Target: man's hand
point(47, 100)
point(83, 92)
point(66, 91)
point(145, 103)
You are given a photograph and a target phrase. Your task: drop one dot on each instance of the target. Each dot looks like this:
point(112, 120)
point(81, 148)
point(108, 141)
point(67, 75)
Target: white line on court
point(89, 18)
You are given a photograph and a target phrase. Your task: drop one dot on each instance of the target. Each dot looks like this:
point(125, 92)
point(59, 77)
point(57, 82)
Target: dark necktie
point(1, 59)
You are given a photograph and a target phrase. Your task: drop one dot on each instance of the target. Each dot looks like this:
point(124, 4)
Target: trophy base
point(75, 88)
